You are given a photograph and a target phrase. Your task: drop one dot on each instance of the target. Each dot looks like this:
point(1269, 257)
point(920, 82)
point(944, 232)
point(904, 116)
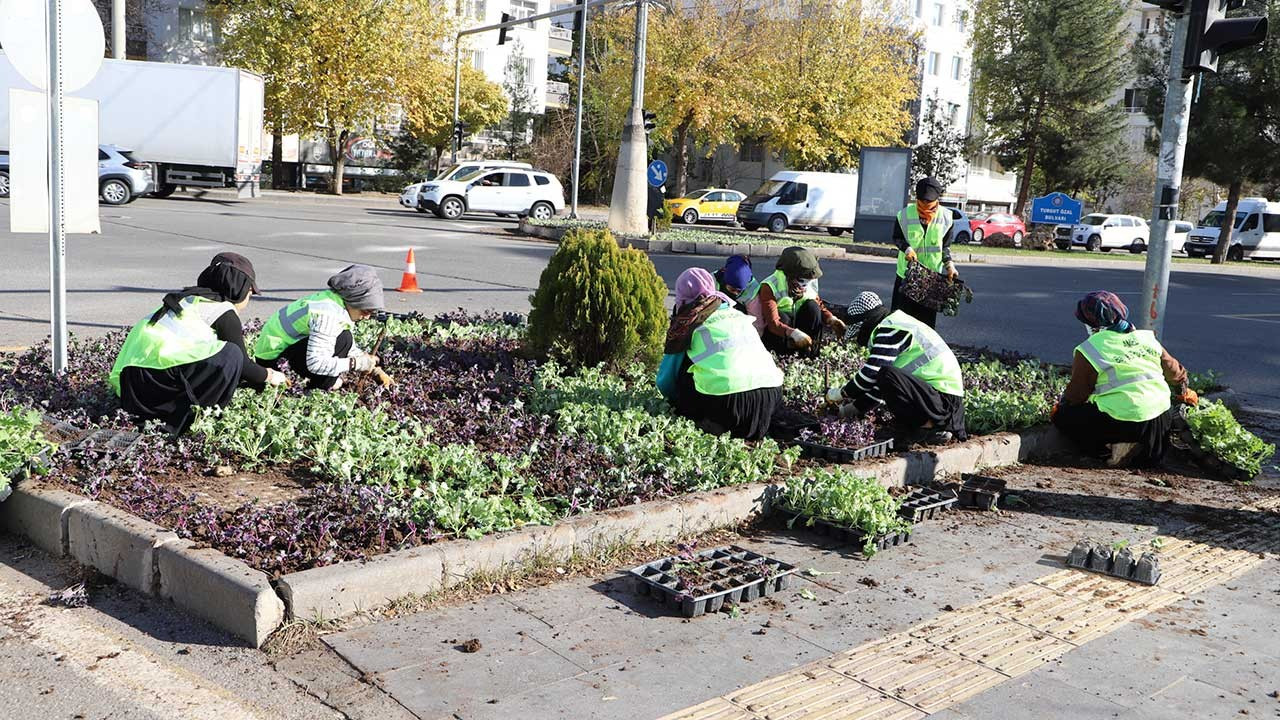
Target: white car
point(1104, 232)
point(409, 196)
point(502, 191)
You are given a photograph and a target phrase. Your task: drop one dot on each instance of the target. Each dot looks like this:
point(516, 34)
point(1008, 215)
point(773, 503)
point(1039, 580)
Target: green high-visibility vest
point(174, 339)
point(777, 282)
point(1131, 385)
point(927, 357)
point(293, 323)
point(728, 356)
point(926, 241)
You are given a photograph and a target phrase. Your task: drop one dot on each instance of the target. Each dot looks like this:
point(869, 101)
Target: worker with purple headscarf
point(715, 369)
point(1123, 382)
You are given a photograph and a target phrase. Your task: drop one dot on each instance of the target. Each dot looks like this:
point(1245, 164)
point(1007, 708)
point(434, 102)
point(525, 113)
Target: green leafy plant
point(842, 498)
point(1205, 382)
point(1001, 397)
point(1218, 433)
point(20, 441)
point(597, 303)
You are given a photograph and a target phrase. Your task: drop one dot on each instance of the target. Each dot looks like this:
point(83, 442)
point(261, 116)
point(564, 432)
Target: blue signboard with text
point(1055, 209)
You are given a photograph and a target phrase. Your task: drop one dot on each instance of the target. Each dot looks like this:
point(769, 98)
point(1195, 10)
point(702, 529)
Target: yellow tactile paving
point(820, 694)
point(1062, 616)
point(999, 643)
point(916, 671)
point(715, 709)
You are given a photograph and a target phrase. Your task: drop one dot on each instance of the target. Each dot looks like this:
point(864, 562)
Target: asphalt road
point(1226, 322)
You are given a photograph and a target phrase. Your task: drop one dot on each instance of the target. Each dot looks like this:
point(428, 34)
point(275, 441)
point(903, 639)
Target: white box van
point(1256, 235)
point(812, 199)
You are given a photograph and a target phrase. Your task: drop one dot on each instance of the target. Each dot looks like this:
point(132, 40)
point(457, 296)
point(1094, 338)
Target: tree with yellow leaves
point(428, 100)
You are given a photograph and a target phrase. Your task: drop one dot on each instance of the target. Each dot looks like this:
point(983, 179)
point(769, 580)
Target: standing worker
point(314, 334)
point(737, 281)
point(1120, 388)
point(715, 371)
point(923, 234)
point(190, 351)
point(910, 370)
point(788, 310)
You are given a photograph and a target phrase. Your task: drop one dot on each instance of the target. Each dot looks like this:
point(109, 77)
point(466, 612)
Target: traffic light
point(460, 131)
point(650, 121)
point(502, 32)
point(1210, 34)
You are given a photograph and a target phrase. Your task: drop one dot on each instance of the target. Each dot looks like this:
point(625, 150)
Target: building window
point(752, 151)
point(959, 19)
point(957, 67)
point(477, 59)
point(472, 8)
point(196, 26)
point(919, 8)
point(523, 8)
point(1135, 100)
point(939, 12)
point(521, 69)
point(933, 63)
point(953, 113)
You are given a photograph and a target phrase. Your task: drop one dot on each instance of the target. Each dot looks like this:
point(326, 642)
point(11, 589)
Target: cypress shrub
point(597, 303)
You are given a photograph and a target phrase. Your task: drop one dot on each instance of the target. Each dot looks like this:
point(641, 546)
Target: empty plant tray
point(703, 582)
point(924, 503)
point(826, 452)
point(981, 492)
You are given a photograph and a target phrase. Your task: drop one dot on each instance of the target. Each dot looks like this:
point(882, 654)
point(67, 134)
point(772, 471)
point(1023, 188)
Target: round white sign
point(22, 33)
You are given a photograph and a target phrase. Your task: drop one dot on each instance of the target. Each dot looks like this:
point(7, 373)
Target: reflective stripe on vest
point(927, 357)
point(777, 282)
point(174, 339)
point(1131, 385)
point(926, 241)
point(728, 357)
point(292, 323)
point(750, 292)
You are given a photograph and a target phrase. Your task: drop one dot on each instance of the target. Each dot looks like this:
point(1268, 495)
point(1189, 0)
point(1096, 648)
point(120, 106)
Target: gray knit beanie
point(359, 286)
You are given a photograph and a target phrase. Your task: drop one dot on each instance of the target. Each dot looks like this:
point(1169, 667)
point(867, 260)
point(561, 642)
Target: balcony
point(560, 41)
point(557, 94)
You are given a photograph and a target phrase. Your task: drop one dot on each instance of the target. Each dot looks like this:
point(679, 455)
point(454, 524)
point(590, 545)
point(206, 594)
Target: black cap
point(239, 262)
point(928, 189)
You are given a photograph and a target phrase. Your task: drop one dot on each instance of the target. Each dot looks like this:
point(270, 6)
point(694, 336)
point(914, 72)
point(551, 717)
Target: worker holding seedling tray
point(910, 371)
point(923, 235)
point(190, 351)
point(715, 369)
point(314, 334)
point(1119, 393)
point(788, 311)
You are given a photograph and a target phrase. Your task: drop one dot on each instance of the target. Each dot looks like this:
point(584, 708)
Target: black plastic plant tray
point(842, 533)
point(1102, 558)
point(118, 442)
point(819, 451)
point(980, 492)
point(64, 431)
point(732, 577)
point(924, 503)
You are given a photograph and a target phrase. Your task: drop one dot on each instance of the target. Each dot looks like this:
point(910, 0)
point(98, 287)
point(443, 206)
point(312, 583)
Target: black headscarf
point(222, 281)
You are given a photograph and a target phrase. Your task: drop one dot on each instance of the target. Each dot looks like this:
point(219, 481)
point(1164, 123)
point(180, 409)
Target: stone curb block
point(727, 506)
point(117, 543)
point(659, 246)
point(334, 591)
point(461, 558)
point(39, 513)
point(220, 589)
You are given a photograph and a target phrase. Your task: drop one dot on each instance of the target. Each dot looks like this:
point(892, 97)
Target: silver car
point(121, 178)
point(4, 175)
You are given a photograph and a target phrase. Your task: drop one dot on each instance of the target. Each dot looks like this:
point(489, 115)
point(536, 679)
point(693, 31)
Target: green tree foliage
point(941, 154)
point(1045, 72)
point(522, 109)
point(597, 303)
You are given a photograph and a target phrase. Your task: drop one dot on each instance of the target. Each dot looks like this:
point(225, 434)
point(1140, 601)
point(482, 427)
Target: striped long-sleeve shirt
point(886, 345)
point(321, 357)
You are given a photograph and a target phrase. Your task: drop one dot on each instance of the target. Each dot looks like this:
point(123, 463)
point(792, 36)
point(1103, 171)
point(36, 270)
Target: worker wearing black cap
point(923, 234)
point(190, 351)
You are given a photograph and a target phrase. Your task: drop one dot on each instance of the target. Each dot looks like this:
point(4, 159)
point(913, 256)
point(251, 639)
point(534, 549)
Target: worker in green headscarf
point(788, 311)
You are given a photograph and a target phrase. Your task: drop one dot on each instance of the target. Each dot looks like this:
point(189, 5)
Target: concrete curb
point(555, 234)
point(220, 589)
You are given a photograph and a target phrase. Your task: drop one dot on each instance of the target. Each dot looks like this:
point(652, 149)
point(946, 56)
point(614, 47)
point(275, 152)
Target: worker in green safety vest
point(910, 371)
point(737, 281)
point(314, 334)
point(923, 233)
point(788, 311)
point(715, 370)
point(1119, 402)
point(190, 351)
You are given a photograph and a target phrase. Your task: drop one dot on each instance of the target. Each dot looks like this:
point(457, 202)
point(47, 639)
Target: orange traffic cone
point(409, 281)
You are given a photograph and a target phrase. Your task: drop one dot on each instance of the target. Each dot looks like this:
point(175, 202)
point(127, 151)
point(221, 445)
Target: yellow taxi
point(708, 204)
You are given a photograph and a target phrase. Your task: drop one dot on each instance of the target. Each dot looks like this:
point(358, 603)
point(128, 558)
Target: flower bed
point(474, 437)
point(693, 235)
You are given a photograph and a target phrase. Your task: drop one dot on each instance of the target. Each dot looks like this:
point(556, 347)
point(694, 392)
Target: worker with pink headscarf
point(716, 371)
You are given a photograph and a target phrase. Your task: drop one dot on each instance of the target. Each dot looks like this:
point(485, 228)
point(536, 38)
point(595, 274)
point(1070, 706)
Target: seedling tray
point(63, 431)
point(924, 503)
point(1207, 461)
point(980, 492)
point(729, 574)
point(841, 533)
point(819, 451)
point(116, 442)
point(1102, 558)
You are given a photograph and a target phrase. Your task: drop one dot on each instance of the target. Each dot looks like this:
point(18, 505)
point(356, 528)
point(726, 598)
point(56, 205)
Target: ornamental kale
point(21, 440)
point(839, 497)
point(1002, 397)
point(1218, 433)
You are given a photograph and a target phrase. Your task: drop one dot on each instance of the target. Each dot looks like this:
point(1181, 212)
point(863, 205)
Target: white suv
point(1104, 232)
point(502, 191)
point(409, 196)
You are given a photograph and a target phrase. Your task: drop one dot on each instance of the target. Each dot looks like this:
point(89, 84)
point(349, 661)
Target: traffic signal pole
point(1173, 145)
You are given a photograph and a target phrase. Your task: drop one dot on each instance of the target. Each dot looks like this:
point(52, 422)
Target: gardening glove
point(383, 378)
point(275, 378)
point(850, 411)
point(364, 363)
point(1054, 411)
point(951, 271)
point(1189, 397)
point(837, 326)
point(911, 255)
point(800, 339)
point(835, 396)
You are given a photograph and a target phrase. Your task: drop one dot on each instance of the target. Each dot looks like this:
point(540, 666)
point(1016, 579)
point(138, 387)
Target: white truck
point(201, 126)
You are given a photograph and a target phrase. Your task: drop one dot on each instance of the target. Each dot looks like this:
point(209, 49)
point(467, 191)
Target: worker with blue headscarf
point(737, 281)
point(1123, 383)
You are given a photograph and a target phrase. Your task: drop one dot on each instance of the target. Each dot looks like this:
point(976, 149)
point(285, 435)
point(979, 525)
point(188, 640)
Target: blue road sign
point(657, 173)
point(1055, 209)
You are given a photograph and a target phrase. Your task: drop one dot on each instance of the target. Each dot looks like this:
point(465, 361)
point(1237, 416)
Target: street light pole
point(57, 213)
point(629, 201)
point(577, 123)
point(457, 96)
point(1173, 145)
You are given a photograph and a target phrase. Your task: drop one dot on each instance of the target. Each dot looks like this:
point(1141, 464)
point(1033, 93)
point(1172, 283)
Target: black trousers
point(911, 307)
point(296, 356)
point(1093, 430)
point(915, 403)
point(807, 318)
point(169, 395)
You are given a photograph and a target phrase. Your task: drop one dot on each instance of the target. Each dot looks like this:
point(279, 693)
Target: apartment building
point(1146, 24)
point(177, 31)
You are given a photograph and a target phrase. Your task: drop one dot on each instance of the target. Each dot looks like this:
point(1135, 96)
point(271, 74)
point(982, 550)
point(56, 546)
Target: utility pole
point(118, 29)
point(57, 212)
point(577, 123)
point(629, 202)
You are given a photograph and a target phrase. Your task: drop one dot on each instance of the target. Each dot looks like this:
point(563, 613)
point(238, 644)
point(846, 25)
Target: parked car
point(4, 175)
point(985, 225)
point(960, 221)
point(1256, 235)
point(1178, 241)
point(813, 199)
point(708, 204)
point(121, 177)
point(1101, 231)
point(502, 191)
point(409, 196)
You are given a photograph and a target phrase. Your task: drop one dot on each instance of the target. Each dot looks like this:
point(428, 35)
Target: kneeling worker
point(737, 281)
point(314, 334)
point(716, 371)
point(190, 351)
point(911, 371)
point(788, 311)
point(1121, 384)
